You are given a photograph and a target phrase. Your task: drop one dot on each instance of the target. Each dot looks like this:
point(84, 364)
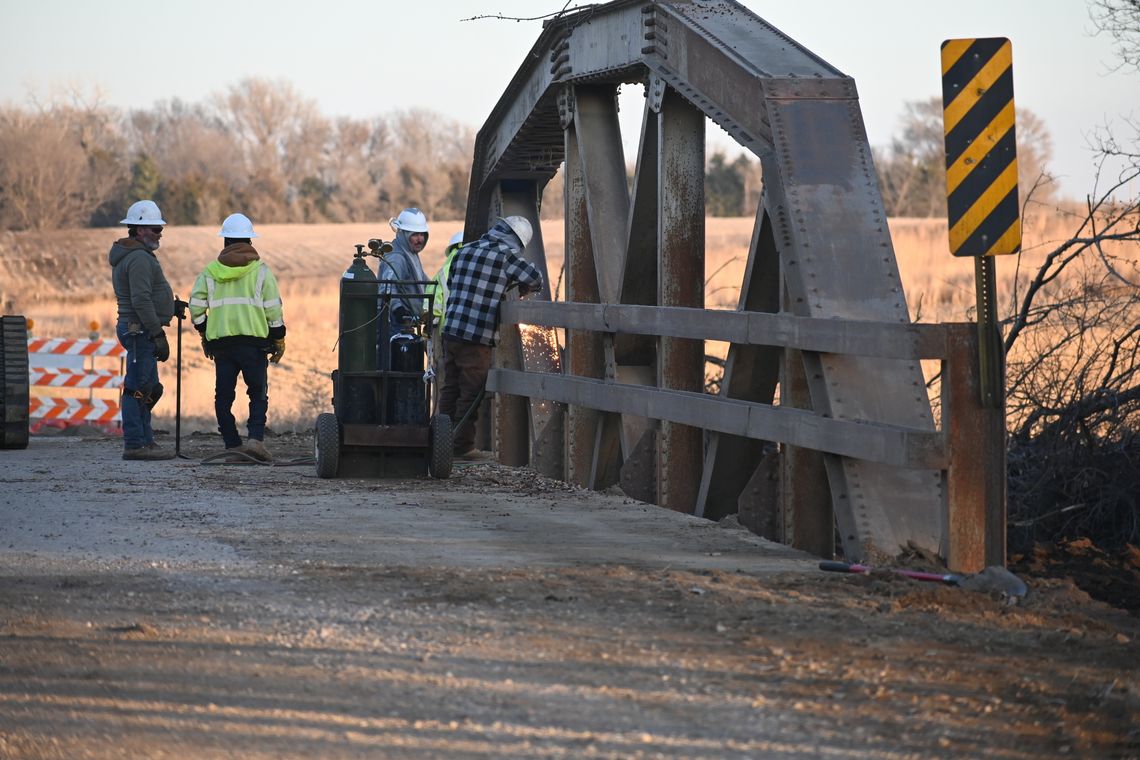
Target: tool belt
point(148, 396)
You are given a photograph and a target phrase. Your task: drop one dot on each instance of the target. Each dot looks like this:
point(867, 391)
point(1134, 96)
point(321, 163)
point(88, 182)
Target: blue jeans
point(252, 364)
point(142, 374)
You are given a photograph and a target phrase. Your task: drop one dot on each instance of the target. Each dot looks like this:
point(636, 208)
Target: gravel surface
point(181, 609)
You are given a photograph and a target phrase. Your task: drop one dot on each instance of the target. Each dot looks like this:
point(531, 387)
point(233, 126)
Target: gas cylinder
point(407, 399)
point(357, 342)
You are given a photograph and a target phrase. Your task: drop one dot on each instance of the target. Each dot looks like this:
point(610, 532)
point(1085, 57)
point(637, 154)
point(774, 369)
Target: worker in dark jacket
point(480, 275)
point(146, 304)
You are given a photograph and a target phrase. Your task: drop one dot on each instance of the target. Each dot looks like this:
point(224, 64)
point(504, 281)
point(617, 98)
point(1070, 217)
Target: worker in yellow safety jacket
point(438, 291)
point(439, 286)
point(236, 307)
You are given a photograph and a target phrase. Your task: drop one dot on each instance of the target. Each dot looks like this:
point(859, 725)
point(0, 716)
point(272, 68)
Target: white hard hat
point(237, 226)
point(520, 225)
point(143, 213)
point(410, 220)
point(456, 239)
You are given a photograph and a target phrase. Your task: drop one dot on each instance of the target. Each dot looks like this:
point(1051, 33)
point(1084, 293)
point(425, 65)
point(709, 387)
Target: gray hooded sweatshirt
point(141, 290)
point(402, 264)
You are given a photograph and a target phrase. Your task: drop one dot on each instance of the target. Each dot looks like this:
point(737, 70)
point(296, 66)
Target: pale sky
point(363, 59)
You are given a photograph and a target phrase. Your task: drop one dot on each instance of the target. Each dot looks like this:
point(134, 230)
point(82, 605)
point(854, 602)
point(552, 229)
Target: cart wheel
point(439, 443)
point(13, 383)
point(327, 445)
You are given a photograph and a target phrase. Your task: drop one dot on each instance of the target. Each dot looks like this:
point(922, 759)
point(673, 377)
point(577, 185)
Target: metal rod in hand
point(178, 310)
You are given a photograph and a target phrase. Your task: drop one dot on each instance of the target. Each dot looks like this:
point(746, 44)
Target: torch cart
point(383, 422)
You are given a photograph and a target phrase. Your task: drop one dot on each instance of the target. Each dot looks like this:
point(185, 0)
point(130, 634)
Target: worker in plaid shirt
point(480, 275)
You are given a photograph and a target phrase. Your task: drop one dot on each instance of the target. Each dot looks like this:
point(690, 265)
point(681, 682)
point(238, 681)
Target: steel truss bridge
point(823, 426)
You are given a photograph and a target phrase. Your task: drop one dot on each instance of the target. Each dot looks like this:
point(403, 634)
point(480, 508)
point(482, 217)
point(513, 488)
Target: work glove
point(161, 347)
point(278, 350)
point(206, 346)
point(180, 308)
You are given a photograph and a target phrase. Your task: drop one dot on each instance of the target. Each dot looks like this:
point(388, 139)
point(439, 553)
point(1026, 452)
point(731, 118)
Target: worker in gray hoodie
point(146, 304)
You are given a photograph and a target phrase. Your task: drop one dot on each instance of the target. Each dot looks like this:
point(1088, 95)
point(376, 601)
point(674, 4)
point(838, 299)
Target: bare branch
point(501, 17)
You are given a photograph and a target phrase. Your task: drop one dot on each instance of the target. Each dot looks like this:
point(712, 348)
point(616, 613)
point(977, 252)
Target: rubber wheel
point(440, 441)
point(13, 383)
point(326, 448)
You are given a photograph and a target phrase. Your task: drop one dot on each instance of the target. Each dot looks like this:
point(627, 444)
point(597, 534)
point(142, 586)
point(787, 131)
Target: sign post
point(984, 221)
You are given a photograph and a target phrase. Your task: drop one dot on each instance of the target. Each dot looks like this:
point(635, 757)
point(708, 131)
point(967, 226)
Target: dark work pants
point(252, 364)
point(465, 367)
point(141, 375)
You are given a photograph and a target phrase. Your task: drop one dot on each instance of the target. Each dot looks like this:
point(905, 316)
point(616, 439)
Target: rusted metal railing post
point(975, 502)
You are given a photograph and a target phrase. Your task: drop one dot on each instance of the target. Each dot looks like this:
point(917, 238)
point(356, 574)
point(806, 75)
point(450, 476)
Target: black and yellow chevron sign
point(981, 147)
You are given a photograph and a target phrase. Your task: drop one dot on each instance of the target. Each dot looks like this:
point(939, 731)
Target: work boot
point(147, 453)
point(257, 450)
point(473, 455)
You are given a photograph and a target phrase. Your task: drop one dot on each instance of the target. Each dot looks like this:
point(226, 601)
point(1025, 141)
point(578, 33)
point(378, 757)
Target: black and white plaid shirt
point(480, 275)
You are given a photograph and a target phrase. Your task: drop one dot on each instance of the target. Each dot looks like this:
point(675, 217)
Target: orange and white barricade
point(58, 363)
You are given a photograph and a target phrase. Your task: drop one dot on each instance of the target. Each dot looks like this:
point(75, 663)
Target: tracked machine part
point(14, 372)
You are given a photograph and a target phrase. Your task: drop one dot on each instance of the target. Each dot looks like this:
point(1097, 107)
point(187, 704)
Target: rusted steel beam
point(680, 282)
point(515, 427)
point(633, 358)
point(584, 355)
point(602, 165)
point(839, 263)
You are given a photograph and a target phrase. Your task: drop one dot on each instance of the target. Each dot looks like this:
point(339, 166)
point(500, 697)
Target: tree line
point(261, 147)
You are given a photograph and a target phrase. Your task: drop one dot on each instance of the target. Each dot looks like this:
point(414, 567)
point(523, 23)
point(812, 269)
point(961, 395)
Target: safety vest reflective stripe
point(257, 288)
point(234, 301)
point(256, 300)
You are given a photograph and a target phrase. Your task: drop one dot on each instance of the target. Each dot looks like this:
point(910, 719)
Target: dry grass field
point(61, 281)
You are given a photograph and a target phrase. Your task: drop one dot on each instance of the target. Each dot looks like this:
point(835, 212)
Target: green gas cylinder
point(357, 346)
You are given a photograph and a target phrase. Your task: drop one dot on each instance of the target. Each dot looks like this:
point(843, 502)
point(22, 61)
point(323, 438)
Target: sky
point(365, 58)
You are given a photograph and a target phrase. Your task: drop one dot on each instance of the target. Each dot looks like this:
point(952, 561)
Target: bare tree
point(1072, 342)
point(1120, 20)
point(360, 169)
point(912, 171)
point(59, 162)
point(430, 159)
point(199, 163)
point(280, 136)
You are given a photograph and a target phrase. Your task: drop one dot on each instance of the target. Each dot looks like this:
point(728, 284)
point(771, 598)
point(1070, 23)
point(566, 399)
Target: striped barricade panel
point(65, 377)
point(96, 347)
point(74, 409)
point(60, 363)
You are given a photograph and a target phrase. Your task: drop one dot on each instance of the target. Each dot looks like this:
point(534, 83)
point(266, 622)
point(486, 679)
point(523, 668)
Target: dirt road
point(178, 610)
